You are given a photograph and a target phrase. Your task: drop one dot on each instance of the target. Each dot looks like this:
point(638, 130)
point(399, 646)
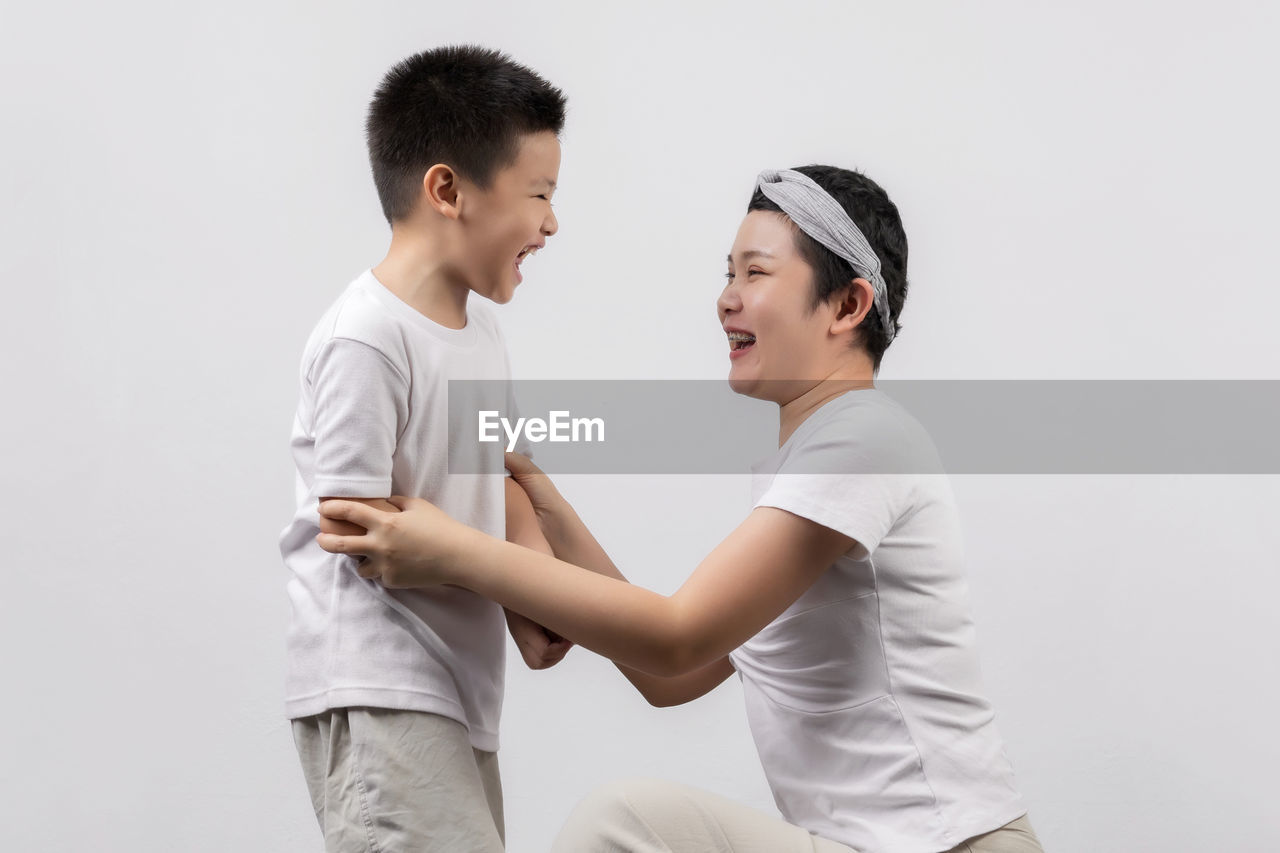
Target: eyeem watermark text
point(559, 426)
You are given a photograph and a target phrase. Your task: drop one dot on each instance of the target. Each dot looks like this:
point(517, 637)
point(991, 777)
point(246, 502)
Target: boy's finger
point(519, 465)
point(400, 502)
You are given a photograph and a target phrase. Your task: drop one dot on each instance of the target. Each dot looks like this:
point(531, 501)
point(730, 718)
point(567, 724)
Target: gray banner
point(978, 426)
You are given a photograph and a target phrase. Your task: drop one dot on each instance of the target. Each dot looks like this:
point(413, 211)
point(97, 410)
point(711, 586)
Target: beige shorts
point(396, 781)
point(650, 816)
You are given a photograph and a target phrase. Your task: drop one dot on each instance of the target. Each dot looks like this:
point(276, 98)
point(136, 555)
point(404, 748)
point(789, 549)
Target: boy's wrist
point(555, 519)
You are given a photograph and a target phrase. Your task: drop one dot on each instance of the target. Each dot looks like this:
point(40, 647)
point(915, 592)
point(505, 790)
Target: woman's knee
point(624, 815)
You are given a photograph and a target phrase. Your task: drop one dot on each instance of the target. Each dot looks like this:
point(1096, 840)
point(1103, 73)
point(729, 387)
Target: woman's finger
point(402, 503)
point(367, 568)
point(336, 544)
point(352, 511)
point(341, 528)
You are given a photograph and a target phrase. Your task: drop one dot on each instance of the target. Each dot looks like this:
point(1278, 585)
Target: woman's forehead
point(764, 233)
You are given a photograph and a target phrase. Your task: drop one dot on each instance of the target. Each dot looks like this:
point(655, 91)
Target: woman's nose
point(728, 301)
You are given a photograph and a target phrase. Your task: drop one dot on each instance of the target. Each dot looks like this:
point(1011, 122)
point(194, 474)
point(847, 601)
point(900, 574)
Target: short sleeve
point(359, 408)
point(835, 478)
point(523, 446)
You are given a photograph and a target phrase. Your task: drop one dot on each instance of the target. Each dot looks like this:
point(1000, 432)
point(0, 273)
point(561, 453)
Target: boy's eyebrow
point(550, 183)
point(751, 253)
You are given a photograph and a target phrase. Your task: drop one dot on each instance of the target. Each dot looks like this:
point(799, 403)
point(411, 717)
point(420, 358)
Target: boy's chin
point(499, 294)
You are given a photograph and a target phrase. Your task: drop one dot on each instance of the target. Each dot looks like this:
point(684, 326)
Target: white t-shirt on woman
point(864, 697)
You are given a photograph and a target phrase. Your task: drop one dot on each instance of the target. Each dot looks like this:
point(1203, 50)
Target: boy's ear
point(852, 306)
point(440, 188)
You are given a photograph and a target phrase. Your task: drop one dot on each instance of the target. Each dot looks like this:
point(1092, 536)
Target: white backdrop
point(1089, 190)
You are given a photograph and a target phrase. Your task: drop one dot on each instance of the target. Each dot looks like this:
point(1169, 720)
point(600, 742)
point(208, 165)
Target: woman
point(840, 600)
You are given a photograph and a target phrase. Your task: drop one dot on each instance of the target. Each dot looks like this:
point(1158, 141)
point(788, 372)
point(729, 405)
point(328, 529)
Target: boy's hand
point(543, 494)
point(540, 648)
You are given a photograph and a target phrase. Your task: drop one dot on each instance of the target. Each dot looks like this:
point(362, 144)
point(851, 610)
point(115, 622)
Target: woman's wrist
point(467, 551)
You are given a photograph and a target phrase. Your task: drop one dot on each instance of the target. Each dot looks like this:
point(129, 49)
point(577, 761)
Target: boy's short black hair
point(877, 217)
point(462, 105)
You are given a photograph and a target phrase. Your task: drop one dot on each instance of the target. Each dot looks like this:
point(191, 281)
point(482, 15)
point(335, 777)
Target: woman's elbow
point(679, 652)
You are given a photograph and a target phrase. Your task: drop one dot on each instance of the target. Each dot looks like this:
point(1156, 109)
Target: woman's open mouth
point(739, 343)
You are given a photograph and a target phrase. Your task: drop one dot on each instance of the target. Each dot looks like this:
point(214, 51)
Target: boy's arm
point(574, 543)
point(359, 405)
point(539, 647)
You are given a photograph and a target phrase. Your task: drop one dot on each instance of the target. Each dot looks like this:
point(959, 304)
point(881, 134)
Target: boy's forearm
point(627, 624)
point(572, 541)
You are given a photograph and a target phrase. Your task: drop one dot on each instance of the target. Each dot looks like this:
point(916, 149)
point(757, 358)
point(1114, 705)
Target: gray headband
point(821, 217)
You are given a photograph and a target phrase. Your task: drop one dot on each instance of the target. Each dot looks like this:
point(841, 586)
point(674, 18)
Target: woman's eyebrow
point(751, 253)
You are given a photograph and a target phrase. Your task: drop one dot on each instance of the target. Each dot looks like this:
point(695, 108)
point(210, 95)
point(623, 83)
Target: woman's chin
point(747, 386)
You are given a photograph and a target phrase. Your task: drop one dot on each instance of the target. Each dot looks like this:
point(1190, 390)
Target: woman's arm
point(563, 531)
point(741, 586)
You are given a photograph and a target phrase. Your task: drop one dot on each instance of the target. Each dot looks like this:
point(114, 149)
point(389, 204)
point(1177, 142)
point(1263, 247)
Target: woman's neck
point(798, 410)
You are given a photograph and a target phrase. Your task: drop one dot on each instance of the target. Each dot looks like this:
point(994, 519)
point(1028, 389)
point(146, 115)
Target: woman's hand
point(414, 547)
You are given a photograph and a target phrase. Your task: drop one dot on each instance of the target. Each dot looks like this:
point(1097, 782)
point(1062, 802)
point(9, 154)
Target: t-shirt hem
point(394, 699)
point(351, 487)
point(819, 514)
point(974, 826)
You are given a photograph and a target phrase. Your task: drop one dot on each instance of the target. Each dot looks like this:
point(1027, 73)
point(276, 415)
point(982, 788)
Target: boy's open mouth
point(524, 253)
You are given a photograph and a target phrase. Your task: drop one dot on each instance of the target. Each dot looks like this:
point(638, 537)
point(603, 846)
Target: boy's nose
point(550, 225)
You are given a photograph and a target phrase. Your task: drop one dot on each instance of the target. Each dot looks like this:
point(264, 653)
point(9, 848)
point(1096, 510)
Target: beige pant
point(399, 782)
point(649, 816)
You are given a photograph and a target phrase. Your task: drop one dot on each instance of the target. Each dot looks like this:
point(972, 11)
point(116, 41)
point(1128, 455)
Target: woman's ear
point(852, 306)
point(441, 190)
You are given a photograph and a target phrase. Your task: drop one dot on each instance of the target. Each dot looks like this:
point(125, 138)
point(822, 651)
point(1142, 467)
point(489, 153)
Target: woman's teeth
point(740, 340)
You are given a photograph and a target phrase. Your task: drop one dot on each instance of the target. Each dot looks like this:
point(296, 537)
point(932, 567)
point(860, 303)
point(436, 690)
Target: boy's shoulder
point(369, 314)
point(357, 315)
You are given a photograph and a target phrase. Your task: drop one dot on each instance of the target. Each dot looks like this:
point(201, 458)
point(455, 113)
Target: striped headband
point(821, 217)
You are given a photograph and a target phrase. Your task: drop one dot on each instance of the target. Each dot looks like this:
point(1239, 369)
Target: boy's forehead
point(538, 158)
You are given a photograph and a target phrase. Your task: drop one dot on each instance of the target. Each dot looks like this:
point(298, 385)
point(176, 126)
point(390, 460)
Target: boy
point(395, 695)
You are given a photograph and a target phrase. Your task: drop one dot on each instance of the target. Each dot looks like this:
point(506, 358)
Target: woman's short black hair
point(462, 105)
point(877, 217)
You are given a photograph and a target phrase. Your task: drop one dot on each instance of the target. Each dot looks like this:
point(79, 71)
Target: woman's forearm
point(631, 625)
point(578, 545)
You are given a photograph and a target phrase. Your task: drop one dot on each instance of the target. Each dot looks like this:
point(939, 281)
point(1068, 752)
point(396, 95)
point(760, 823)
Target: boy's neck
point(416, 272)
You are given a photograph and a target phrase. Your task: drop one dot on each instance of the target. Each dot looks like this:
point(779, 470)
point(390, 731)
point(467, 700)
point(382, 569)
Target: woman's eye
point(729, 276)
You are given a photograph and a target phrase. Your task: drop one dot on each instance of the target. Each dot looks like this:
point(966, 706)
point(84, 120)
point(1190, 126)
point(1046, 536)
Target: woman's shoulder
point(863, 432)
